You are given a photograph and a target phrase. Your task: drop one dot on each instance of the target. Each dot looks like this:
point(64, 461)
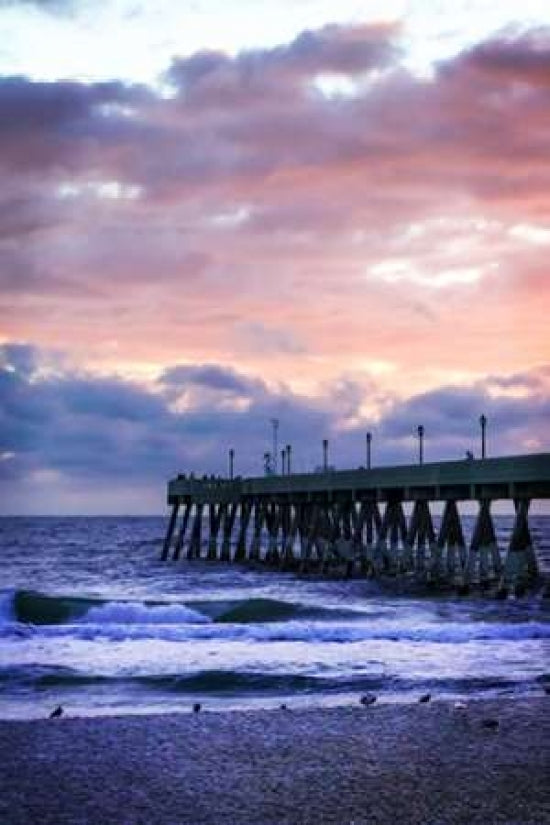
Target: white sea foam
point(137, 613)
point(296, 631)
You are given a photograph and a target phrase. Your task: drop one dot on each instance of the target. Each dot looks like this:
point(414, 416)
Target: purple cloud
point(85, 428)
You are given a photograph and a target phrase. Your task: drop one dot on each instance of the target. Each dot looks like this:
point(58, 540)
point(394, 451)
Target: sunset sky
point(216, 213)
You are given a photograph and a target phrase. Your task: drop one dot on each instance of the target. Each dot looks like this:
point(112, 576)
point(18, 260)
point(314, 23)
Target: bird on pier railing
point(55, 714)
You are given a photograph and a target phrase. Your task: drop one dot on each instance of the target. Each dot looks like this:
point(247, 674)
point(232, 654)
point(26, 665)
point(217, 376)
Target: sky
point(213, 214)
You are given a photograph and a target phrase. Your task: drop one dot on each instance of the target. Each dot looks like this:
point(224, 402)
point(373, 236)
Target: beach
point(435, 764)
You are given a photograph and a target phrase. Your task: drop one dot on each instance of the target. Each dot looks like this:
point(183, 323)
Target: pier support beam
point(230, 515)
point(484, 561)
point(369, 524)
point(287, 555)
point(216, 513)
point(421, 532)
point(273, 520)
point(240, 550)
point(183, 529)
point(256, 543)
point(170, 531)
point(392, 530)
point(194, 549)
point(451, 542)
point(521, 567)
point(311, 516)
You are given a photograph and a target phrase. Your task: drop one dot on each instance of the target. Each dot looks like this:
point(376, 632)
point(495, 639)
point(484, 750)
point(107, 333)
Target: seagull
point(490, 724)
point(196, 707)
point(425, 698)
point(55, 714)
point(368, 699)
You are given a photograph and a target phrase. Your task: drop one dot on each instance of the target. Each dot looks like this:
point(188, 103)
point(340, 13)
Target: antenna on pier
point(275, 451)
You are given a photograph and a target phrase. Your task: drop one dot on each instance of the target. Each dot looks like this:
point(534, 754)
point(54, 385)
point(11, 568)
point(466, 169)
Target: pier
point(358, 522)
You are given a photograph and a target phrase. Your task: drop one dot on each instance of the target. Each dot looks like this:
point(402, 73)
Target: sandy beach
point(434, 764)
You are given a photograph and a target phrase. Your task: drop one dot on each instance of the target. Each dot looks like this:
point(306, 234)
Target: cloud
point(234, 121)
point(523, 58)
point(214, 79)
point(226, 235)
point(55, 7)
point(82, 430)
point(453, 413)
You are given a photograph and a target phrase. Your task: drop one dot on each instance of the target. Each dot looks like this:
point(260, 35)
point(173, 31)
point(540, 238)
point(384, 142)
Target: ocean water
point(90, 618)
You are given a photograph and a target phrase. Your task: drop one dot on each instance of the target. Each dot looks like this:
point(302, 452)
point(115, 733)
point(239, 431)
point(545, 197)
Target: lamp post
point(283, 462)
point(325, 454)
point(369, 440)
point(288, 454)
point(420, 444)
point(483, 422)
point(231, 462)
point(275, 452)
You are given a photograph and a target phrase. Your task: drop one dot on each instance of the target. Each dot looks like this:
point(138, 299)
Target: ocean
point(91, 619)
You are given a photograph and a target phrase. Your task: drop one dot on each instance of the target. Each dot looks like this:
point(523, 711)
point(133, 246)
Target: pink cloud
point(252, 211)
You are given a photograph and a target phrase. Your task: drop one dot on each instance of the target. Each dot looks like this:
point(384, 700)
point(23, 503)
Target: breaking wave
point(30, 607)
point(258, 620)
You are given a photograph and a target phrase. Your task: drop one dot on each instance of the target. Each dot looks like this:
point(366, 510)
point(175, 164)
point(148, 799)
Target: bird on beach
point(490, 724)
point(367, 699)
point(425, 698)
point(55, 714)
point(196, 707)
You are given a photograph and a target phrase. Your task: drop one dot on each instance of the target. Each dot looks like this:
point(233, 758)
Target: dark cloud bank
point(69, 430)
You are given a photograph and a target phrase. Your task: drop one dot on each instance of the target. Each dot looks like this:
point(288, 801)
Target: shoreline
point(435, 764)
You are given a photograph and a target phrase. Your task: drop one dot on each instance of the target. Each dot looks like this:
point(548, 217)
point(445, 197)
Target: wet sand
point(432, 764)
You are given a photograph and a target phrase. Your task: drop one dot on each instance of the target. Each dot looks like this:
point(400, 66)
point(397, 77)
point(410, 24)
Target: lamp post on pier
point(275, 451)
point(231, 462)
point(483, 422)
point(288, 454)
point(420, 432)
point(325, 454)
point(283, 462)
point(369, 440)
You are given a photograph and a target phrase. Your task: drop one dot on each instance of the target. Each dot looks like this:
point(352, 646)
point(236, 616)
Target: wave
point(140, 613)
point(44, 676)
point(38, 677)
point(254, 620)
point(31, 607)
point(28, 607)
point(263, 611)
point(315, 632)
point(305, 632)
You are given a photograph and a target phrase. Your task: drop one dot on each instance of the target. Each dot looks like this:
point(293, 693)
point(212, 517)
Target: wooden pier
point(355, 520)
